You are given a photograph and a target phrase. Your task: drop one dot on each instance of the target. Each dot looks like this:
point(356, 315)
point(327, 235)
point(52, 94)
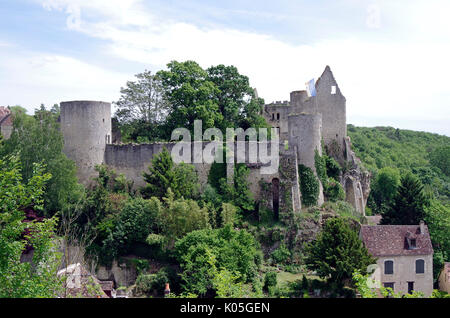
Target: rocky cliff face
point(355, 179)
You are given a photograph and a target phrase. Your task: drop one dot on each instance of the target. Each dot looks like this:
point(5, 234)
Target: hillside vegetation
point(426, 155)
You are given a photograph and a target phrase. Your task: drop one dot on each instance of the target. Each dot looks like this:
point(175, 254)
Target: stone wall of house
point(444, 279)
point(405, 271)
point(6, 131)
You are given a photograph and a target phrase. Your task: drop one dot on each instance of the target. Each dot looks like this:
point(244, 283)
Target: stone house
point(404, 256)
point(444, 278)
point(6, 122)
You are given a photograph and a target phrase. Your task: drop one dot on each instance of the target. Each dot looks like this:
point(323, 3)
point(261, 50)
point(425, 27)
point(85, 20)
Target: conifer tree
point(164, 174)
point(161, 175)
point(409, 203)
point(337, 252)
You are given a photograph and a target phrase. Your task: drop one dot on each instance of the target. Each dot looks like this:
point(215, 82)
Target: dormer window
point(411, 243)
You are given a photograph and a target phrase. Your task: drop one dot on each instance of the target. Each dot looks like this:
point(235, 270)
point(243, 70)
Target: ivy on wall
point(328, 171)
point(309, 185)
point(321, 167)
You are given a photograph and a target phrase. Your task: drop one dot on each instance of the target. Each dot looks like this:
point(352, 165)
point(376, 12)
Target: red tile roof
point(391, 240)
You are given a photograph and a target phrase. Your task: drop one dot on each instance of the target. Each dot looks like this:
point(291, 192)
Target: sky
point(390, 58)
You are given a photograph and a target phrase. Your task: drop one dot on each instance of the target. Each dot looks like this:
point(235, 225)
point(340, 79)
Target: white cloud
point(373, 19)
point(397, 81)
point(33, 78)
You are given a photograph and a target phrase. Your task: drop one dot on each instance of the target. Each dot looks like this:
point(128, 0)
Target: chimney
point(422, 227)
point(167, 290)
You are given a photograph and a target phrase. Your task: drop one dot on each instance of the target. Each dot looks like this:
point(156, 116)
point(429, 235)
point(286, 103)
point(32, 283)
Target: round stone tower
point(305, 136)
point(86, 128)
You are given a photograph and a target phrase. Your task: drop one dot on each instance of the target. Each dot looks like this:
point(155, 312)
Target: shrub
point(270, 280)
point(333, 168)
point(281, 255)
point(334, 191)
point(147, 284)
point(234, 250)
point(228, 213)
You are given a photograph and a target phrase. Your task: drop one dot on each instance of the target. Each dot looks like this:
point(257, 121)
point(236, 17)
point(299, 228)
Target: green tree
point(164, 174)
point(22, 279)
point(38, 139)
point(437, 217)
point(270, 280)
point(385, 187)
point(408, 204)
point(405, 150)
point(237, 102)
point(179, 217)
point(191, 96)
point(236, 251)
point(440, 157)
point(238, 193)
point(142, 108)
point(337, 252)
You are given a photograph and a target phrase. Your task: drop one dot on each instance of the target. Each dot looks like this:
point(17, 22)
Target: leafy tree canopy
point(153, 106)
point(21, 279)
point(37, 139)
point(234, 250)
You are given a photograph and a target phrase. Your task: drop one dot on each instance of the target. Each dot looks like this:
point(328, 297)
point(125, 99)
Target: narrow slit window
point(333, 90)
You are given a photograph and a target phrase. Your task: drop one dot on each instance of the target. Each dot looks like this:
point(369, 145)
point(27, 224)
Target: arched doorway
point(276, 198)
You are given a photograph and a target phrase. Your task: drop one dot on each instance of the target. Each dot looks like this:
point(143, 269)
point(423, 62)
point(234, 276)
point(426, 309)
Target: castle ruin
point(305, 124)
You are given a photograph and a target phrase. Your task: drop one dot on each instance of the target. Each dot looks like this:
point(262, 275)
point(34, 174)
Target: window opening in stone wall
point(388, 267)
point(276, 198)
point(410, 287)
point(333, 90)
point(420, 266)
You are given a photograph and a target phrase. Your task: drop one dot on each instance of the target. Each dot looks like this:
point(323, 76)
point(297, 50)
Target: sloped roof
point(391, 240)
